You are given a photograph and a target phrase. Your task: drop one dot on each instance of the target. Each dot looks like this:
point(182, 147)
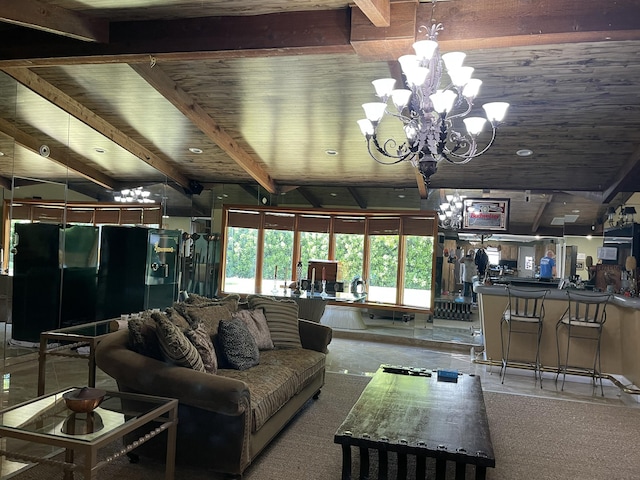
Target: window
point(392, 251)
point(241, 256)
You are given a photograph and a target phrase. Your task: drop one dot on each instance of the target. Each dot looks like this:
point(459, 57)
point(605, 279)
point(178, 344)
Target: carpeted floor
point(532, 438)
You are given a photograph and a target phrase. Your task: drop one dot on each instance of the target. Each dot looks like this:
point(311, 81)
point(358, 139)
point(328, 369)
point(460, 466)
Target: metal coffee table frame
point(69, 339)
point(42, 420)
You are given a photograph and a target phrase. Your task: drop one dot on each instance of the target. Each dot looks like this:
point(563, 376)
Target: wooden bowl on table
point(84, 400)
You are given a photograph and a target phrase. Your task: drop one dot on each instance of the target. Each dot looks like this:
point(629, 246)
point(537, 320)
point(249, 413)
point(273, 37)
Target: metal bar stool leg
point(538, 368)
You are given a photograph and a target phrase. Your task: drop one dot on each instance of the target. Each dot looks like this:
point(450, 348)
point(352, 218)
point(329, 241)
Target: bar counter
point(620, 350)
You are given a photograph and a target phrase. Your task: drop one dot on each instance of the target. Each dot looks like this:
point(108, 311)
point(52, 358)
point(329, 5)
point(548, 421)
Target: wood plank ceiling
point(120, 90)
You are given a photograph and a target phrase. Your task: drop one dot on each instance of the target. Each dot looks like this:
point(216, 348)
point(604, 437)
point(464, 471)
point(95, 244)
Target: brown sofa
point(226, 418)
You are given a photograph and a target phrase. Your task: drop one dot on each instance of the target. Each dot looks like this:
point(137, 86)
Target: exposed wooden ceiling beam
point(194, 112)
point(536, 221)
point(422, 187)
point(359, 199)
point(5, 183)
point(53, 19)
point(309, 197)
point(468, 25)
point(79, 111)
point(61, 158)
point(377, 11)
point(629, 166)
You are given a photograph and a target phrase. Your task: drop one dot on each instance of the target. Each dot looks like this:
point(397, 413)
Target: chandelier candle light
point(428, 112)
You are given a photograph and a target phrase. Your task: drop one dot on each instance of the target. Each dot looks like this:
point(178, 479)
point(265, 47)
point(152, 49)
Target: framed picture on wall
point(486, 214)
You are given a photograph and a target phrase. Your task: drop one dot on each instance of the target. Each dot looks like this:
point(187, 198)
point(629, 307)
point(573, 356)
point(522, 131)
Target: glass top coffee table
point(66, 342)
point(47, 421)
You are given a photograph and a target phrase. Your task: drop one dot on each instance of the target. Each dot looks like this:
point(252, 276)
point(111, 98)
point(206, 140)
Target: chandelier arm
point(461, 114)
point(395, 158)
point(461, 159)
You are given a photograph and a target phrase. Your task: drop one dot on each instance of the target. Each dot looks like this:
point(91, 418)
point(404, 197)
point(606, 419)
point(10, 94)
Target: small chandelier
point(133, 195)
point(428, 112)
point(450, 214)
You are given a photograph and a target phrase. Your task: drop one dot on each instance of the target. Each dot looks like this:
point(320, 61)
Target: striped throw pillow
point(175, 347)
point(282, 319)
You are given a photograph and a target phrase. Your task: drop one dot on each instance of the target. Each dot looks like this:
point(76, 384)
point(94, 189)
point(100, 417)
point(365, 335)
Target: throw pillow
point(230, 301)
point(209, 315)
point(175, 347)
point(282, 319)
point(142, 337)
point(238, 346)
point(177, 319)
point(202, 341)
point(256, 323)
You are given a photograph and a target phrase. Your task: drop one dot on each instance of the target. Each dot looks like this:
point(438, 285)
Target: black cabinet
point(137, 270)
point(54, 278)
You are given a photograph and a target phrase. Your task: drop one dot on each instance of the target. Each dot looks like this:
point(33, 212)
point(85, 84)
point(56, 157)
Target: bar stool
point(524, 314)
point(583, 318)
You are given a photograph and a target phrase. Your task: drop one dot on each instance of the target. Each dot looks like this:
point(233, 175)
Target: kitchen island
point(620, 354)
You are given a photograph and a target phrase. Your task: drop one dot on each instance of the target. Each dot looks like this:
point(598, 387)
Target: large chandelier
point(450, 214)
point(429, 112)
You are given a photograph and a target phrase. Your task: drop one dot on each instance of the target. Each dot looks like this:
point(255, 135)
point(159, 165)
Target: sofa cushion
point(142, 336)
point(282, 319)
point(200, 339)
point(175, 347)
point(271, 386)
point(238, 346)
point(256, 322)
point(304, 364)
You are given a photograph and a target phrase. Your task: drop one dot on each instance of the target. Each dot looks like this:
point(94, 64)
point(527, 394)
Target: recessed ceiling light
point(575, 211)
point(401, 196)
point(524, 152)
point(331, 152)
point(100, 150)
point(1, 154)
point(333, 194)
point(195, 150)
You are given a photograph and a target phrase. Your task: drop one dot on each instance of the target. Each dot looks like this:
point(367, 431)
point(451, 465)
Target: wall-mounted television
point(607, 253)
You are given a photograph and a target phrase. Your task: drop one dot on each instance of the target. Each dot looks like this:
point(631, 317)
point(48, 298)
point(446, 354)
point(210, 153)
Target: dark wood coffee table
point(421, 416)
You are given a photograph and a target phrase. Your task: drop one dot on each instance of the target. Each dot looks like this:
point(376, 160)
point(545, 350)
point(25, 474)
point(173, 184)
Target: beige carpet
point(532, 437)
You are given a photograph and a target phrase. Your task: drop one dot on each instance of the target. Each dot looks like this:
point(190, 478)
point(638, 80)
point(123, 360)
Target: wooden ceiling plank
point(53, 19)
point(194, 112)
point(359, 199)
point(79, 111)
point(377, 11)
point(32, 144)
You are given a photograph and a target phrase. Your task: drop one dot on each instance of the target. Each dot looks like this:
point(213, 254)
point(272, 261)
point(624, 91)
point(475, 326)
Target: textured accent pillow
point(256, 323)
point(175, 347)
point(208, 315)
point(143, 338)
point(238, 346)
point(177, 319)
point(282, 319)
point(202, 341)
point(230, 301)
